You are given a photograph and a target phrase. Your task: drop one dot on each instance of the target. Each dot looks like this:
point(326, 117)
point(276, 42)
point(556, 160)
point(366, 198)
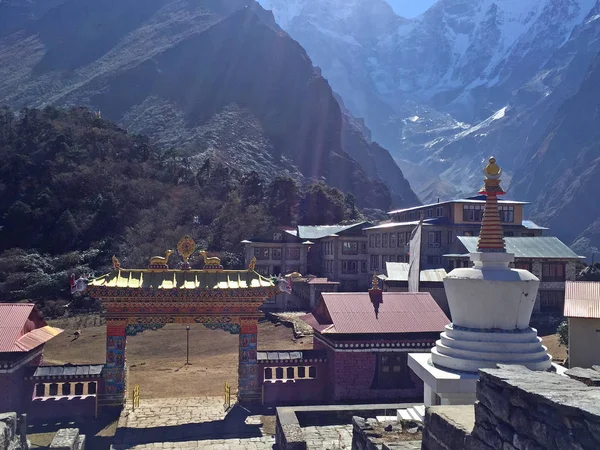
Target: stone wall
point(518, 409)
point(13, 432)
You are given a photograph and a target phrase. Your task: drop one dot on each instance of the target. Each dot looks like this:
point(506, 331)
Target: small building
point(430, 280)
point(582, 308)
point(547, 257)
point(23, 334)
point(344, 256)
point(337, 252)
point(278, 252)
point(365, 338)
point(442, 223)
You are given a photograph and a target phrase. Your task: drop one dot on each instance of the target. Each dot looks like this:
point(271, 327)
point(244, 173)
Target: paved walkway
point(176, 423)
point(329, 437)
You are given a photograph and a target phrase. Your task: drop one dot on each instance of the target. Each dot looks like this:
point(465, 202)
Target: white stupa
point(491, 306)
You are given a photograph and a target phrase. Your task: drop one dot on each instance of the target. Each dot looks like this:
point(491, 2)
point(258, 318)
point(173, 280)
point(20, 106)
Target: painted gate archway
point(138, 299)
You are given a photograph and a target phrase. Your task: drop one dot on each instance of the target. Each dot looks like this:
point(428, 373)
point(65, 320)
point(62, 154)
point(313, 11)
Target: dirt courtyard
point(156, 359)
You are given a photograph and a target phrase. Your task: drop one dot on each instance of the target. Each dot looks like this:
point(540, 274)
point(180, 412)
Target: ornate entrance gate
point(138, 299)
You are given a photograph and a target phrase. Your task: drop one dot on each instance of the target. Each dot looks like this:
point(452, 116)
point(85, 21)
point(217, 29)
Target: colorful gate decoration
point(139, 299)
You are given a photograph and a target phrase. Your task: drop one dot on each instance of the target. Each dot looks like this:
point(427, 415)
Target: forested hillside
point(76, 189)
point(213, 78)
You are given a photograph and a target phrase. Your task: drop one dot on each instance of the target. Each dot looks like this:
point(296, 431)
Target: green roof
point(321, 231)
point(528, 247)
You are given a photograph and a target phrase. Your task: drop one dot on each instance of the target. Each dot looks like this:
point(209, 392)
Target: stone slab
point(549, 388)
point(589, 377)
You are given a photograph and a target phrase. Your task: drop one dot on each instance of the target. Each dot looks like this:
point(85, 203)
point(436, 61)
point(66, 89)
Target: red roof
point(22, 328)
point(582, 299)
point(353, 312)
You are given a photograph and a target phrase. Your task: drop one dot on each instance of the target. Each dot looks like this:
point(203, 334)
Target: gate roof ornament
point(186, 247)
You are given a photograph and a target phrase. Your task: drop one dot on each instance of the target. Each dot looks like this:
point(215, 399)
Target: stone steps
point(415, 413)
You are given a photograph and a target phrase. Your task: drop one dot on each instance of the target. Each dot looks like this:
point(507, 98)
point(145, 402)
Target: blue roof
point(528, 247)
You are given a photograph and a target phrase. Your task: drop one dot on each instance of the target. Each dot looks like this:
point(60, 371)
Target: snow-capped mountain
point(439, 89)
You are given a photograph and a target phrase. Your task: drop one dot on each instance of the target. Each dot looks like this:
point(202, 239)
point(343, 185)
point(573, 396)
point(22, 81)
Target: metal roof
point(582, 299)
point(528, 247)
point(16, 320)
point(36, 338)
point(182, 279)
point(398, 224)
point(69, 370)
point(278, 355)
point(321, 231)
point(476, 199)
point(532, 225)
point(399, 312)
point(399, 272)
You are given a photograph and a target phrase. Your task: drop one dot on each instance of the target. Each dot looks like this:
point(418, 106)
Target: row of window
point(389, 240)
point(401, 239)
point(348, 247)
point(474, 213)
point(65, 389)
point(290, 373)
point(348, 266)
point(429, 213)
point(267, 253)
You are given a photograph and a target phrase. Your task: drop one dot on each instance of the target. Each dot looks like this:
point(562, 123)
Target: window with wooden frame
point(553, 271)
point(392, 371)
point(552, 301)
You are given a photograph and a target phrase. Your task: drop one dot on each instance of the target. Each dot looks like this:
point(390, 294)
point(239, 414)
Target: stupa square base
point(443, 387)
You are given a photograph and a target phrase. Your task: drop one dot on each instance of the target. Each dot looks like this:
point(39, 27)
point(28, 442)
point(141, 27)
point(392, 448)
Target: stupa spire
point(491, 236)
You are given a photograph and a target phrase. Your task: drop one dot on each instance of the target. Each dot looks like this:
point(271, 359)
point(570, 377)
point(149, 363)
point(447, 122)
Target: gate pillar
point(115, 367)
point(248, 389)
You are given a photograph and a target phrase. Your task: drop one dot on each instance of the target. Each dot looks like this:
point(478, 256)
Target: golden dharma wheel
point(186, 247)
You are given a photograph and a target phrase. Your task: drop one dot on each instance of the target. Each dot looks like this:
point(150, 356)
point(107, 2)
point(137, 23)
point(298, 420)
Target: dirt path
point(156, 359)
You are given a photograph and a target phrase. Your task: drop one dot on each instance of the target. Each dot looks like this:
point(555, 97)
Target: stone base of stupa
point(444, 386)
point(468, 350)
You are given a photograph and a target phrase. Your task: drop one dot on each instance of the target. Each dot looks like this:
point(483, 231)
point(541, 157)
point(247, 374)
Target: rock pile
point(13, 432)
point(369, 434)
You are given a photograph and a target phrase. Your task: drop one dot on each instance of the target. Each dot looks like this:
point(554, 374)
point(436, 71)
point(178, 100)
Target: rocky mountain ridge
point(438, 90)
point(176, 70)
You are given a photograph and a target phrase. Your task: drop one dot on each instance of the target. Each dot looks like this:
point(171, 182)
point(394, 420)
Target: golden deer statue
point(159, 261)
point(212, 261)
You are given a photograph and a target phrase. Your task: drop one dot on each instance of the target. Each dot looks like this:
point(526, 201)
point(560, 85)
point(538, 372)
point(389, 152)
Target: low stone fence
point(518, 409)
point(291, 420)
point(13, 432)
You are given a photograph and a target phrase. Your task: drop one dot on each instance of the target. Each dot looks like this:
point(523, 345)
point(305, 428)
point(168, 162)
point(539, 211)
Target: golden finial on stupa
point(492, 170)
